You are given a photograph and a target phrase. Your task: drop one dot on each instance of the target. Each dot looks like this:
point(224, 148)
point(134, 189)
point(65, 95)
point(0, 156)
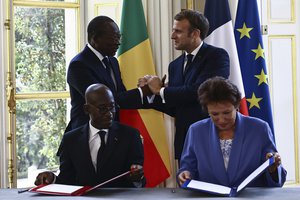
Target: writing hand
point(184, 176)
point(277, 162)
point(136, 173)
point(44, 178)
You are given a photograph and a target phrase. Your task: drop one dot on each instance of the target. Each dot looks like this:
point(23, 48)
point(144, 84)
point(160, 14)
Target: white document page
point(254, 174)
point(60, 188)
point(210, 187)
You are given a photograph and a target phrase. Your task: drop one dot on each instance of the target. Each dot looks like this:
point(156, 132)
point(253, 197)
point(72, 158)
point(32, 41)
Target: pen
point(23, 190)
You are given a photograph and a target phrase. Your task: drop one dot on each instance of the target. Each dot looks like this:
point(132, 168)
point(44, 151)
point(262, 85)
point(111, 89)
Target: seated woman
point(225, 148)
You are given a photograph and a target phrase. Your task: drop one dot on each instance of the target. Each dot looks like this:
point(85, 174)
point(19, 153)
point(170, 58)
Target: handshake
point(151, 84)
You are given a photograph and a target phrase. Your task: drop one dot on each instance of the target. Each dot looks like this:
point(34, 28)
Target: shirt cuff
point(54, 179)
point(141, 95)
point(161, 93)
point(150, 98)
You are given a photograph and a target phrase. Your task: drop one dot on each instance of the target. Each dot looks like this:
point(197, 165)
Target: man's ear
point(197, 33)
point(86, 108)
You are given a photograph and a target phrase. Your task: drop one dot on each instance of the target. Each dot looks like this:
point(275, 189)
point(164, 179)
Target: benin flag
point(135, 58)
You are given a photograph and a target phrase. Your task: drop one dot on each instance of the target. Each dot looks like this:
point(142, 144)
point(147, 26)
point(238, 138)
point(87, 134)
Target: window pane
point(40, 125)
point(42, 40)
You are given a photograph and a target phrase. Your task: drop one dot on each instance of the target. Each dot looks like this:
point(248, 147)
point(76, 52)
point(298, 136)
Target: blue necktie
point(188, 63)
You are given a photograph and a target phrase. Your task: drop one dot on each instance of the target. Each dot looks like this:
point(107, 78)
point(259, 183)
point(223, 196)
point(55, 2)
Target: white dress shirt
point(95, 142)
point(162, 90)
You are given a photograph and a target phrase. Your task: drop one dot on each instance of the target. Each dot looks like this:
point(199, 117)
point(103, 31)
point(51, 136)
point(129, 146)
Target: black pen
point(23, 190)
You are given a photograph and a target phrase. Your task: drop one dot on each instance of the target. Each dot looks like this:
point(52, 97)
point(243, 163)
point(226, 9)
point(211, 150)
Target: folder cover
point(69, 190)
point(223, 190)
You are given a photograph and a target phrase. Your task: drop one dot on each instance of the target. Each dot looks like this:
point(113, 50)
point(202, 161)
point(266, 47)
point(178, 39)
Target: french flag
point(221, 34)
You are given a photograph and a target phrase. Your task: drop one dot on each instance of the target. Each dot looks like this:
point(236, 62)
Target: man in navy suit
point(97, 64)
point(199, 62)
point(82, 163)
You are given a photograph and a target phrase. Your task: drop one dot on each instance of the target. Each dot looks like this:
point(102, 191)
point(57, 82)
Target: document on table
point(70, 190)
point(223, 190)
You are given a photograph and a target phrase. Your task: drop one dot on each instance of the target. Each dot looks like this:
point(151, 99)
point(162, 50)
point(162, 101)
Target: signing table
point(287, 193)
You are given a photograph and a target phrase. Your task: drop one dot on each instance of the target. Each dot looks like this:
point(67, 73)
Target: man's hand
point(146, 90)
point(184, 176)
point(155, 84)
point(136, 173)
point(143, 81)
point(44, 178)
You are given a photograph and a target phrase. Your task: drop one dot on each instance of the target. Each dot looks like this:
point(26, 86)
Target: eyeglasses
point(104, 108)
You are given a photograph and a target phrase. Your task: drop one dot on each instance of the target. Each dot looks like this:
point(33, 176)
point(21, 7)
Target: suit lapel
point(237, 147)
point(107, 78)
point(116, 71)
point(84, 146)
point(99, 69)
point(216, 158)
point(178, 71)
point(196, 64)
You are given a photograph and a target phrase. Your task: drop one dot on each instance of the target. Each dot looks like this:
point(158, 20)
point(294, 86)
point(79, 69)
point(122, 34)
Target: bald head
point(97, 92)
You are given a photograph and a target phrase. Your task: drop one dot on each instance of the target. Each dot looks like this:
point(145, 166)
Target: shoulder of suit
point(209, 47)
point(178, 59)
point(85, 56)
point(125, 127)
point(77, 131)
point(252, 121)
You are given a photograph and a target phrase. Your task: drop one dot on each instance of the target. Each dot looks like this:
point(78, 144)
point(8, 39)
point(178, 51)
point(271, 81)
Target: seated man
point(100, 149)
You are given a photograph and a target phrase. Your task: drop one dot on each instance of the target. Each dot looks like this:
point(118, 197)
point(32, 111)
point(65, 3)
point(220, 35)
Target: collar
point(99, 55)
point(94, 131)
point(195, 50)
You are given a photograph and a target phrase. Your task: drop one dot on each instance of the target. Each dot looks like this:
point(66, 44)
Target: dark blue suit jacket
point(181, 93)
point(123, 148)
point(86, 69)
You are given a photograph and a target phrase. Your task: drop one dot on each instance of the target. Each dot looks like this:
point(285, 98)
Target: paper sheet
point(60, 188)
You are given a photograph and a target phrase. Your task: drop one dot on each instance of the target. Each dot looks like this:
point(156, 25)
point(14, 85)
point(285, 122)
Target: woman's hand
point(184, 176)
point(277, 158)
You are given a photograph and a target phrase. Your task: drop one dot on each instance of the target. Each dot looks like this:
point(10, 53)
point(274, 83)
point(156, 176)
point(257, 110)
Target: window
point(45, 39)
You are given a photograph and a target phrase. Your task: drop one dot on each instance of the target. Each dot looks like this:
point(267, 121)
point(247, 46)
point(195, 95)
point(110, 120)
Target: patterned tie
point(108, 68)
point(107, 65)
point(101, 149)
point(188, 63)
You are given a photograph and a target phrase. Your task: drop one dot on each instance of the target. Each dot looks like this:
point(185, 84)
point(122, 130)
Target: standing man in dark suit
point(198, 62)
point(101, 149)
point(97, 64)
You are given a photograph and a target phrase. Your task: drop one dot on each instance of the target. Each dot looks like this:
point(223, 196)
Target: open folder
point(223, 190)
point(70, 190)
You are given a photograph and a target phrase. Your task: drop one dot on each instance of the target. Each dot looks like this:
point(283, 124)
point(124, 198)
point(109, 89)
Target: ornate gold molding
point(7, 24)
point(47, 4)
point(292, 18)
point(11, 103)
point(10, 92)
point(190, 4)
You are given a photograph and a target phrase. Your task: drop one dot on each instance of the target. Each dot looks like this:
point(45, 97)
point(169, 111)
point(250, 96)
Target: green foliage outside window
point(40, 67)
